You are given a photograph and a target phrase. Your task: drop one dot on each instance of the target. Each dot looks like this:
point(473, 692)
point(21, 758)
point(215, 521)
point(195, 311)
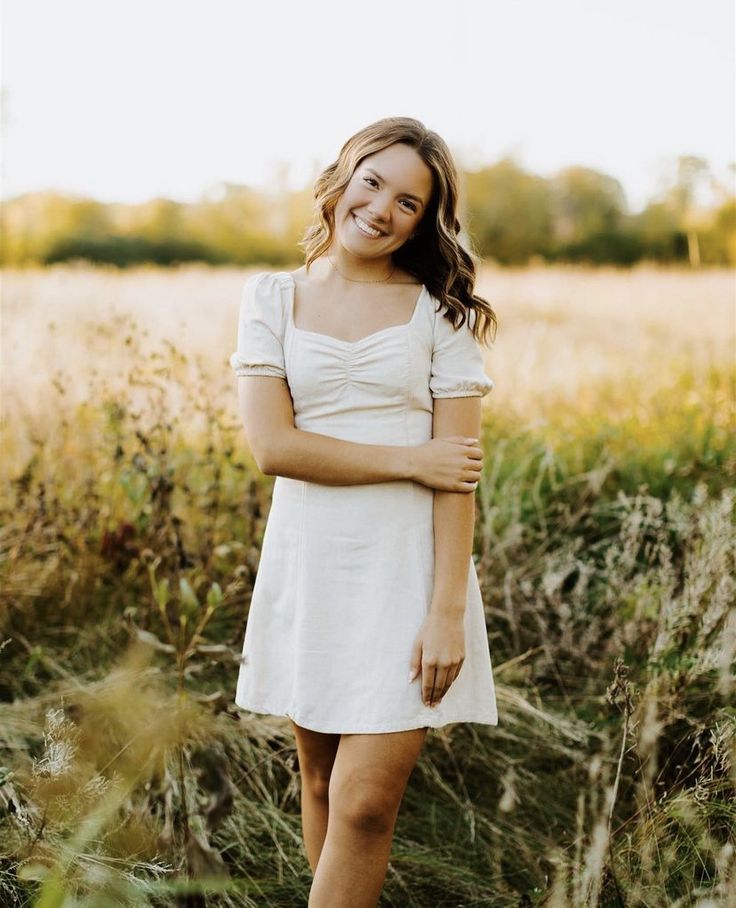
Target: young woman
point(360, 385)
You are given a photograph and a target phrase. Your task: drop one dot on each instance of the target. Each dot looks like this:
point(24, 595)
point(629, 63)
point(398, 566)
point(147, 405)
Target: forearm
point(454, 522)
point(312, 457)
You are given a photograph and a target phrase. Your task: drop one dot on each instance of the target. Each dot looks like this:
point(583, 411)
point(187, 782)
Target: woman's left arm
point(454, 514)
point(458, 382)
point(439, 648)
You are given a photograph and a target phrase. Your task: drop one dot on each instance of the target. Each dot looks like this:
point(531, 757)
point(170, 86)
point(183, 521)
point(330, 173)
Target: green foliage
point(615, 247)
point(124, 251)
point(511, 215)
point(605, 549)
point(586, 204)
point(508, 212)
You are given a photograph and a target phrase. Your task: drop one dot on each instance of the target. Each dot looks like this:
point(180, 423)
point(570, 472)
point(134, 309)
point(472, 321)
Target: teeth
point(366, 227)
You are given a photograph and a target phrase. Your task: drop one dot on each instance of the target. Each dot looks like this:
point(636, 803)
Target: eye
point(412, 206)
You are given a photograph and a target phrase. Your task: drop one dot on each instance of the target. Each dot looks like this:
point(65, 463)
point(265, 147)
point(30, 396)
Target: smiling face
point(384, 202)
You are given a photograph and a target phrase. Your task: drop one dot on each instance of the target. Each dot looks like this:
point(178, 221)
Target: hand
point(451, 464)
point(439, 651)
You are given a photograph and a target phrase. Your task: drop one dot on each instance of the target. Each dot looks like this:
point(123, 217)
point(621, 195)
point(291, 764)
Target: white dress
point(346, 572)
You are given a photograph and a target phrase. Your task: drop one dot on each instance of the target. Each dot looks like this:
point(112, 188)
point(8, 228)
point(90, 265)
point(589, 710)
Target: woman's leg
point(368, 780)
point(316, 752)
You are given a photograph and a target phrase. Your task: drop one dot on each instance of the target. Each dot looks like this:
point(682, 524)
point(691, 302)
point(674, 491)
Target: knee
point(317, 783)
point(366, 810)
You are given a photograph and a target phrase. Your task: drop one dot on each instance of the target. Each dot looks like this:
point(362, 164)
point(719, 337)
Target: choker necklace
point(382, 280)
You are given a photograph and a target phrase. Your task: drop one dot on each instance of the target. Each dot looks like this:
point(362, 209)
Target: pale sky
point(131, 100)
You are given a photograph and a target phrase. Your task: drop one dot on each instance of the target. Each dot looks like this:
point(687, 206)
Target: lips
point(365, 221)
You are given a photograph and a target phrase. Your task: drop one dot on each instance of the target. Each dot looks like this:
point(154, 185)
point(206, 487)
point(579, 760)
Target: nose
point(379, 207)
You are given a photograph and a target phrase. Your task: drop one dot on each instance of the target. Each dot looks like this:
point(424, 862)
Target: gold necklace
point(354, 280)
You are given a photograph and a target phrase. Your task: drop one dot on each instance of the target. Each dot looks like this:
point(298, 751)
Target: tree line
point(512, 216)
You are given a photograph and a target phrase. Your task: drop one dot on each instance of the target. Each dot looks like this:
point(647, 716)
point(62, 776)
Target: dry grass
point(563, 330)
point(131, 527)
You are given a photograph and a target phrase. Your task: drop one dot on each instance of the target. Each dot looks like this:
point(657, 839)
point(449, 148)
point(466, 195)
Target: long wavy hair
point(435, 255)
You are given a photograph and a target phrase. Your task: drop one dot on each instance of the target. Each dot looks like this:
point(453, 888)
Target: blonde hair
point(434, 255)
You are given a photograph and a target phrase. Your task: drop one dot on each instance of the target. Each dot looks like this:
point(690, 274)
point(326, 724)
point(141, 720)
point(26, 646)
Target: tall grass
point(605, 547)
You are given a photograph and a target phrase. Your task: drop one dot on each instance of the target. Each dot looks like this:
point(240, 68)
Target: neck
point(356, 268)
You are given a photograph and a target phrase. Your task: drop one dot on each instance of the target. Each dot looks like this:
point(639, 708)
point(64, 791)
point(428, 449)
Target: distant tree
point(585, 203)
point(511, 215)
point(240, 225)
point(158, 220)
point(718, 239)
point(658, 227)
point(507, 212)
point(682, 196)
point(33, 224)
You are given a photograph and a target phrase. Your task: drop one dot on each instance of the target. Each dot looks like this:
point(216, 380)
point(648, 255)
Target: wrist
point(448, 608)
point(406, 461)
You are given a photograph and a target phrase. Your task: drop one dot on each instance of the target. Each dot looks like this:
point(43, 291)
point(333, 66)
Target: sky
point(127, 101)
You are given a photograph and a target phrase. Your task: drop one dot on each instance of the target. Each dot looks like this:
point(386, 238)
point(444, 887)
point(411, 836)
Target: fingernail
point(411, 677)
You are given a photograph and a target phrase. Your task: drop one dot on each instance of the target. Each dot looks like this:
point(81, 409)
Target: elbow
point(266, 464)
point(263, 456)
point(267, 454)
point(268, 443)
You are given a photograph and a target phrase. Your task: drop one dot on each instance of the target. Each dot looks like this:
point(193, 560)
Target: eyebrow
point(407, 194)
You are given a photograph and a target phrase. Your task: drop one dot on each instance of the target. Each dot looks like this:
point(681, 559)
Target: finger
point(450, 680)
point(455, 673)
point(438, 685)
point(441, 685)
point(447, 684)
point(415, 666)
point(461, 439)
point(429, 675)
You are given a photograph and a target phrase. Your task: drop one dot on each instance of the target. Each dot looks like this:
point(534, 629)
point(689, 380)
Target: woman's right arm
point(280, 449)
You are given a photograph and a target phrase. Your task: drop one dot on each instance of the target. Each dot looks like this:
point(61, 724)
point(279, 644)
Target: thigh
point(316, 751)
point(373, 769)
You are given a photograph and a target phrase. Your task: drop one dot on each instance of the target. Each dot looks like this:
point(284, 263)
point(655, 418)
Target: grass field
point(132, 516)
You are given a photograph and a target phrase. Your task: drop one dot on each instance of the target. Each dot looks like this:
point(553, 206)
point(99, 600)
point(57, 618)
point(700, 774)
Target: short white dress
point(346, 572)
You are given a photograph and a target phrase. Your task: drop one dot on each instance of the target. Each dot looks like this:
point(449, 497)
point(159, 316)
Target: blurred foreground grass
point(605, 549)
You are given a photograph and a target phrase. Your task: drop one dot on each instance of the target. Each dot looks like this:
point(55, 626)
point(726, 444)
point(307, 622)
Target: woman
point(360, 379)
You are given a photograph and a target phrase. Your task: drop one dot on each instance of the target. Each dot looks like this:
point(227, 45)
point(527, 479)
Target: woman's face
point(389, 190)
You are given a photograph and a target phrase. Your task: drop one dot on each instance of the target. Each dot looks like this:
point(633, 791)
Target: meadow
point(132, 517)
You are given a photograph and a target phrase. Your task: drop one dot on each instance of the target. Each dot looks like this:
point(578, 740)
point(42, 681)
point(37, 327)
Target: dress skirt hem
point(430, 721)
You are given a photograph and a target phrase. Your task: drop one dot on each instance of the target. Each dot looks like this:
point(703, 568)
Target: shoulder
point(448, 326)
point(267, 281)
point(264, 297)
point(265, 288)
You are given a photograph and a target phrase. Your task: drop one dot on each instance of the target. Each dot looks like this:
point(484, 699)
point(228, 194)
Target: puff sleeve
point(260, 328)
point(457, 361)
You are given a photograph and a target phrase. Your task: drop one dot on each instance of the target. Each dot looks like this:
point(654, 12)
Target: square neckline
point(345, 343)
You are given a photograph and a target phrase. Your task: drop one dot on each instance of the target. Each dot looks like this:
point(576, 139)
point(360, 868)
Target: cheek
point(347, 202)
point(342, 212)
